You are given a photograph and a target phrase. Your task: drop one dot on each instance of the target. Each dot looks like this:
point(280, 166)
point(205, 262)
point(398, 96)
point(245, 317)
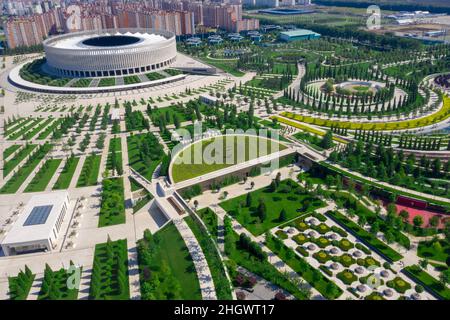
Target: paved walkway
point(133, 271)
point(204, 275)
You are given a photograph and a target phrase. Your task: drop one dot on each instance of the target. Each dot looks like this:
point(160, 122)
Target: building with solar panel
point(38, 226)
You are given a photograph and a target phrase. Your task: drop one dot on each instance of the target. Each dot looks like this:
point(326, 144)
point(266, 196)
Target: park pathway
point(133, 271)
point(85, 283)
point(76, 174)
point(204, 274)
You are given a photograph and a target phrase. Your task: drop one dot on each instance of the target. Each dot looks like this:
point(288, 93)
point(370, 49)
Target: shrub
point(302, 251)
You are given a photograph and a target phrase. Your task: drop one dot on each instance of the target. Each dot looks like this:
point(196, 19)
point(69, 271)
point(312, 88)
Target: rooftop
point(37, 218)
point(298, 33)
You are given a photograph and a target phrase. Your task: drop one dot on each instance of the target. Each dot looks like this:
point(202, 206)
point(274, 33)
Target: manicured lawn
point(432, 251)
point(227, 66)
point(112, 210)
point(174, 252)
point(430, 283)
point(366, 237)
point(43, 176)
point(66, 175)
point(45, 133)
point(131, 80)
point(22, 154)
point(110, 272)
point(10, 150)
point(152, 76)
point(168, 113)
point(288, 196)
point(23, 129)
point(147, 166)
point(135, 186)
point(30, 134)
point(18, 178)
point(114, 160)
point(106, 82)
point(89, 173)
point(215, 264)
point(194, 164)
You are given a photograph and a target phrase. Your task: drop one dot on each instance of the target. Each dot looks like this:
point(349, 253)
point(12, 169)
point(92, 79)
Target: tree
point(404, 215)
point(262, 210)
point(327, 140)
point(252, 184)
point(418, 221)
point(283, 216)
point(248, 200)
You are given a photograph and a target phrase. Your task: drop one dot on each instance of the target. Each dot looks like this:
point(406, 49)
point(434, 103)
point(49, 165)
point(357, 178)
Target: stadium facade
point(110, 52)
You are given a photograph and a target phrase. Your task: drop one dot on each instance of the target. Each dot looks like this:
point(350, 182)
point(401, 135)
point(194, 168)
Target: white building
point(38, 226)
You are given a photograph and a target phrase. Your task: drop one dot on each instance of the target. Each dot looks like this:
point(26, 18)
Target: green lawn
point(288, 196)
point(114, 144)
point(18, 178)
point(89, 172)
point(43, 176)
point(134, 144)
point(215, 264)
point(112, 210)
point(64, 179)
point(432, 284)
point(107, 82)
point(173, 250)
point(22, 154)
point(193, 162)
point(429, 250)
point(10, 150)
point(31, 133)
point(110, 272)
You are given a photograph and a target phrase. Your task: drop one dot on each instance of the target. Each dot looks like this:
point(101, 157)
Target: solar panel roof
point(38, 215)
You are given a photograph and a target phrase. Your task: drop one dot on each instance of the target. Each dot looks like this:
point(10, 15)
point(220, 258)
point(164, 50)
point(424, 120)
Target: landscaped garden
point(89, 172)
point(15, 182)
point(64, 179)
point(20, 285)
point(43, 176)
point(112, 208)
point(55, 285)
point(166, 269)
point(260, 210)
point(144, 153)
point(110, 271)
